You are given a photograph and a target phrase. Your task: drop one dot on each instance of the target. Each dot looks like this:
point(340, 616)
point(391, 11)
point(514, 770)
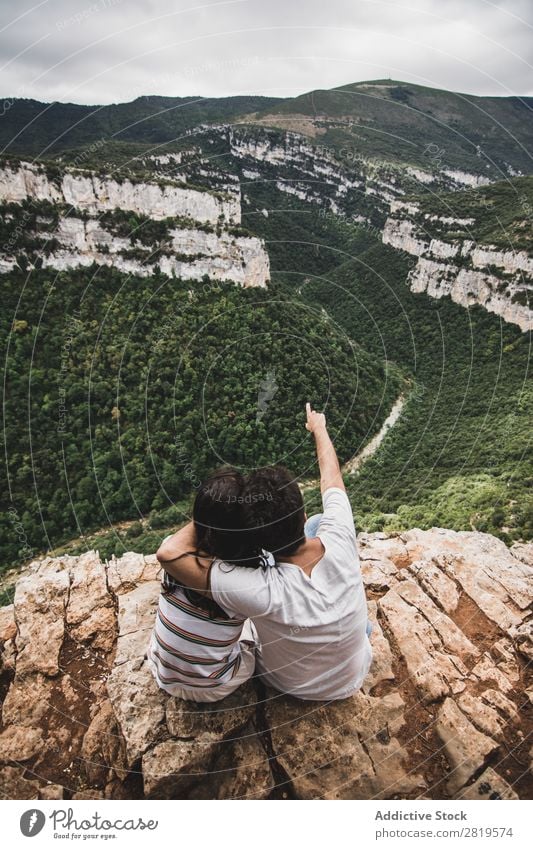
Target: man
point(309, 609)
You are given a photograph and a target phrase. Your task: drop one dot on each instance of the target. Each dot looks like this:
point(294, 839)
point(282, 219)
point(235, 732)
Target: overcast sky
point(115, 50)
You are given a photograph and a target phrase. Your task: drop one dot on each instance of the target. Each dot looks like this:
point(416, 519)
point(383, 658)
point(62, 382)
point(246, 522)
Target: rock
point(191, 251)
point(88, 191)
point(40, 602)
point(136, 614)
point(241, 772)
point(8, 627)
point(130, 570)
point(171, 768)
point(487, 672)
point(27, 701)
point(466, 748)
point(383, 548)
point(88, 794)
point(448, 685)
point(434, 671)
point(499, 584)
point(139, 706)
point(225, 719)
point(52, 791)
point(343, 750)
point(381, 669)
point(523, 637)
point(8, 633)
point(90, 612)
point(450, 634)
point(379, 575)
point(436, 584)
point(13, 784)
point(506, 707)
point(8, 656)
point(377, 723)
point(482, 715)
point(103, 749)
point(489, 785)
point(506, 659)
point(20, 744)
point(439, 275)
point(523, 551)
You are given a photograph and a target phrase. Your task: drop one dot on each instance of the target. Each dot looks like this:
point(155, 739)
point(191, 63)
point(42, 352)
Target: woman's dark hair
point(220, 531)
point(217, 516)
point(273, 510)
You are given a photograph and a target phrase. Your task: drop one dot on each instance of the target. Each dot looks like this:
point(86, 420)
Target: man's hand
point(315, 421)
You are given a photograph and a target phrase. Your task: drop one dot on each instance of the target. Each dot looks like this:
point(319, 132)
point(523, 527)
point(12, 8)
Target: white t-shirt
point(312, 629)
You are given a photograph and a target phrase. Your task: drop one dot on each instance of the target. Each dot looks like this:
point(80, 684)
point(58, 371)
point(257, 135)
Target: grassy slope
point(458, 457)
point(398, 121)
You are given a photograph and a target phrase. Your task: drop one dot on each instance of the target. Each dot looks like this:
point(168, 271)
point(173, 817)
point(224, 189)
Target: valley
point(154, 277)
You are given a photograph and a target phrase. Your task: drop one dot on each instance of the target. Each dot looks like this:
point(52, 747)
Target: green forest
point(123, 392)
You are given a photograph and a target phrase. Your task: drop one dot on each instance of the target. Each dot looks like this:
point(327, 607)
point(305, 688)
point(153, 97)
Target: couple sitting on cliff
point(249, 585)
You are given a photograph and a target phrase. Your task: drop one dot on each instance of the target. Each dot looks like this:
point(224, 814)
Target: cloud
point(115, 50)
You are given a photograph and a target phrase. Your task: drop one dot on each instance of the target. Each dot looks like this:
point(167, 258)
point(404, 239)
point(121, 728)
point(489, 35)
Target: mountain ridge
point(437, 104)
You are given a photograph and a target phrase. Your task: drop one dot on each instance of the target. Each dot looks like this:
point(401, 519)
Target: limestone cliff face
point(500, 281)
point(88, 191)
point(192, 254)
point(189, 253)
point(444, 713)
point(338, 178)
point(308, 172)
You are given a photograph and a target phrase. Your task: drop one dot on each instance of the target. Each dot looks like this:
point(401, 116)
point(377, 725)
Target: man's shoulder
point(335, 494)
point(245, 578)
point(337, 515)
point(239, 589)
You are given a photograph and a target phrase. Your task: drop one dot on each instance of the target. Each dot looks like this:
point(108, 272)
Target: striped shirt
point(188, 646)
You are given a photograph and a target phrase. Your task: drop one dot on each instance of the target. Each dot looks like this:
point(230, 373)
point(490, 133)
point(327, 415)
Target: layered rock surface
point(336, 177)
point(190, 252)
point(501, 281)
point(93, 193)
point(446, 711)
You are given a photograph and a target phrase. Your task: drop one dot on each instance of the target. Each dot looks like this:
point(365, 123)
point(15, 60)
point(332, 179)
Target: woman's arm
point(177, 557)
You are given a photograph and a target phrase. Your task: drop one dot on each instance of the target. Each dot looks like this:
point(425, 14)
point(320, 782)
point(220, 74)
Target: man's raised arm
point(177, 557)
point(330, 471)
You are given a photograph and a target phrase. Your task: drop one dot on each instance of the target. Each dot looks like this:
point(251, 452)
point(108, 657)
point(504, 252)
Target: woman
point(197, 651)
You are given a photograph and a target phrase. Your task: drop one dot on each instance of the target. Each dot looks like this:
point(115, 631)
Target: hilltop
point(445, 712)
point(413, 123)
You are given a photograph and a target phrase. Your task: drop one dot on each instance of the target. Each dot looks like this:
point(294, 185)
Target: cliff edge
point(446, 712)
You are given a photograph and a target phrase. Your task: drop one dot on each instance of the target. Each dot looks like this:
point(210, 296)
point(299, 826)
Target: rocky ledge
point(446, 711)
